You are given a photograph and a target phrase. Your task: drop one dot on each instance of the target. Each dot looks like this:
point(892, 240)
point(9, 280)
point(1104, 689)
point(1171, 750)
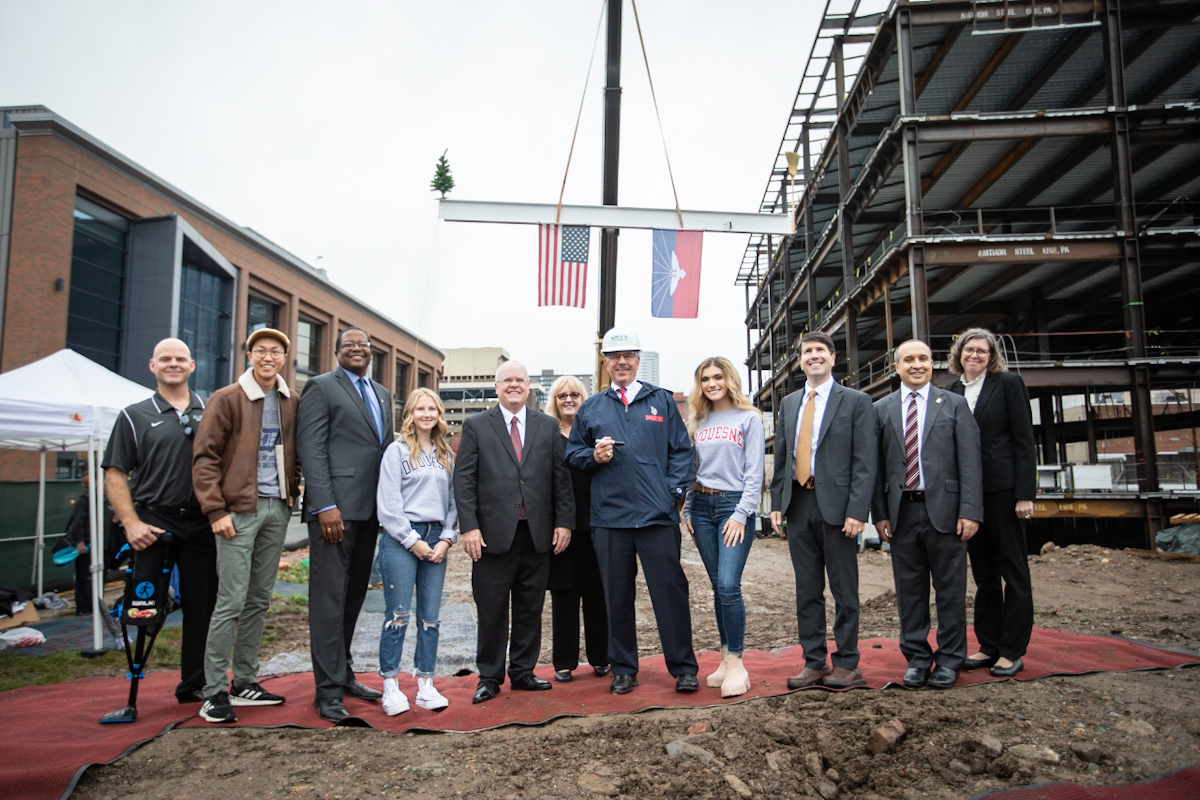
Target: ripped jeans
point(402, 571)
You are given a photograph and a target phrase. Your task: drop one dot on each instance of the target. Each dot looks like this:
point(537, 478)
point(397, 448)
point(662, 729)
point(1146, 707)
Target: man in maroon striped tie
point(928, 503)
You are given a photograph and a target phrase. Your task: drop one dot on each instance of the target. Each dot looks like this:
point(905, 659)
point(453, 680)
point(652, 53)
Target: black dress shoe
point(601, 671)
point(331, 709)
point(623, 684)
point(979, 663)
point(942, 677)
point(194, 696)
point(563, 676)
point(915, 677)
point(1008, 672)
point(530, 683)
point(356, 689)
point(686, 683)
point(485, 691)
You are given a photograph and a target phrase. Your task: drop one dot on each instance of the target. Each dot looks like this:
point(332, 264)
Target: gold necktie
point(804, 441)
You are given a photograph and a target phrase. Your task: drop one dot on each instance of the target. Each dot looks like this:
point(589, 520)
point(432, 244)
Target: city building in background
point(548, 376)
point(100, 255)
point(648, 369)
point(468, 383)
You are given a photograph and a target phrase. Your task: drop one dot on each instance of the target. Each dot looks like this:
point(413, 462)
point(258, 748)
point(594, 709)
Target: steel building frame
point(1025, 166)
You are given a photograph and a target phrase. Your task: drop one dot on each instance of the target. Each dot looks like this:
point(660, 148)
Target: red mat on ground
point(51, 733)
point(1179, 784)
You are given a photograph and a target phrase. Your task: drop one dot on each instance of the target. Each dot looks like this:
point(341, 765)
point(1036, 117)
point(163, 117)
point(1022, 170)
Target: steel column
point(612, 152)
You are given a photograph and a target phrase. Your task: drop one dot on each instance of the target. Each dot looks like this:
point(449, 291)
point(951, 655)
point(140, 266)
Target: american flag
point(562, 265)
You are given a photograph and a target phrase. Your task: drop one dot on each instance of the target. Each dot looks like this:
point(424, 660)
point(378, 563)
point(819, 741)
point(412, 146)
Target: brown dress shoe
point(808, 677)
point(842, 678)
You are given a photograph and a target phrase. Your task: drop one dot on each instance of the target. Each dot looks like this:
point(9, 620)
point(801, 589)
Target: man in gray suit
point(515, 504)
point(826, 451)
point(342, 428)
point(928, 503)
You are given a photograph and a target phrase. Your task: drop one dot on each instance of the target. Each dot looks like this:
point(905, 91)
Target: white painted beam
point(614, 217)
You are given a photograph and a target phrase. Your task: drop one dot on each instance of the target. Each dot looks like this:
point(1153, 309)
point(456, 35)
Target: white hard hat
point(618, 340)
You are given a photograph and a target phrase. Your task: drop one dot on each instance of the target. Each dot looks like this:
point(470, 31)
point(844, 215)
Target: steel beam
point(614, 217)
point(607, 317)
point(1035, 252)
point(982, 128)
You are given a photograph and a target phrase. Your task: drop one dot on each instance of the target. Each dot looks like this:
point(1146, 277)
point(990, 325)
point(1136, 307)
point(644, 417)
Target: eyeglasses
point(261, 352)
point(975, 351)
point(513, 381)
point(626, 356)
point(572, 395)
point(185, 422)
point(356, 345)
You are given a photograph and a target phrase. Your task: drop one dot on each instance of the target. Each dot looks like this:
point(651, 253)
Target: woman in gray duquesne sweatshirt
point(415, 502)
point(728, 450)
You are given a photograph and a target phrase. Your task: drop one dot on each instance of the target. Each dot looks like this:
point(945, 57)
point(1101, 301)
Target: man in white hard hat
point(632, 441)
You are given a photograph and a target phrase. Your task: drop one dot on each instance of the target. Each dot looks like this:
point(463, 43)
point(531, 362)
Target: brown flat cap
point(268, 333)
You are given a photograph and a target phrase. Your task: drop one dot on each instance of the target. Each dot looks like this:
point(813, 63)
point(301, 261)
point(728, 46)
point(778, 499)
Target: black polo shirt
point(149, 444)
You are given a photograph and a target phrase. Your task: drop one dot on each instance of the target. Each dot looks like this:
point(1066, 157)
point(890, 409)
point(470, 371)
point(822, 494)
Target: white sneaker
point(429, 697)
point(394, 701)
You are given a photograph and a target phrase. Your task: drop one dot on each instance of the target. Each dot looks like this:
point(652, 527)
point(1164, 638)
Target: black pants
point(192, 547)
point(587, 588)
point(1003, 616)
point(337, 585)
point(658, 547)
point(921, 553)
point(83, 584)
point(521, 573)
point(818, 548)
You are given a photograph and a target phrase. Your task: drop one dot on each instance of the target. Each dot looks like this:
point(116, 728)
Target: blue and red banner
point(675, 283)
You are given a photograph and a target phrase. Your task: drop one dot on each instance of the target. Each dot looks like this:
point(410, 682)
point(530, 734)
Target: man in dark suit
point(826, 451)
point(342, 428)
point(928, 503)
point(1000, 404)
point(515, 506)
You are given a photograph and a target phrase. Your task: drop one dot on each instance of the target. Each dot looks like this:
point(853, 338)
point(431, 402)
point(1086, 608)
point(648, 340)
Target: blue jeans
point(402, 571)
point(723, 564)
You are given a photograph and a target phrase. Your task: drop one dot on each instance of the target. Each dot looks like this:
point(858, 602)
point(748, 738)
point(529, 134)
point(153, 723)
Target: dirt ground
point(1095, 729)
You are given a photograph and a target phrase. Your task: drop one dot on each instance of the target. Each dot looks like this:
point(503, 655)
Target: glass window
point(423, 378)
point(377, 358)
point(261, 313)
point(401, 394)
point(308, 350)
point(205, 299)
point(97, 300)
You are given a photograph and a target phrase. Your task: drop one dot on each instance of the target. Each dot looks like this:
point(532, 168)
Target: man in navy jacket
point(632, 441)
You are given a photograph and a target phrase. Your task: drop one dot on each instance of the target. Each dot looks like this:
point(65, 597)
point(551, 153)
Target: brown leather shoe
point(842, 678)
point(808, 677)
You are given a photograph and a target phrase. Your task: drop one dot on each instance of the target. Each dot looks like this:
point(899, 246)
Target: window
point(308, 350)
point(97, 300)
point(204, 303)
point(261, 313)
point(423, 378)
point(401, 393)
point(377, 358)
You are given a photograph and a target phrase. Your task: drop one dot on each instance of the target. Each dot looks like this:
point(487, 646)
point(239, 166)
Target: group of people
point(571, 500)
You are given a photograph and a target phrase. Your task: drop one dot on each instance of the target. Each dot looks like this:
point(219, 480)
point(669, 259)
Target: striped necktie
point(912, 450)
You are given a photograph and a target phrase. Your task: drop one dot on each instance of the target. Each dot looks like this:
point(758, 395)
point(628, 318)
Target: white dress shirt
point(508, 418)
point(631, 391)
point(971, 390)
point(922, 402)
point(822, 395)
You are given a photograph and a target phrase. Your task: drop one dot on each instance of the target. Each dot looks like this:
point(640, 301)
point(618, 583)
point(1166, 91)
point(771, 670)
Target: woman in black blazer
point(1000, 403)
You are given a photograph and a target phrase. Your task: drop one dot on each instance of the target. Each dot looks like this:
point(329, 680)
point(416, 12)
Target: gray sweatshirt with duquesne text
point(728, 450)
point(409, 494)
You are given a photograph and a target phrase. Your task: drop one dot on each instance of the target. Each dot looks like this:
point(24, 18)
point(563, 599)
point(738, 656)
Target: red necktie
point(516, 441)
point(624, 399)
point(516, 438)
point(912, 457)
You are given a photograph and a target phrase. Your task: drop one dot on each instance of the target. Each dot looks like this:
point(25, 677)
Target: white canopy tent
point(66, 402)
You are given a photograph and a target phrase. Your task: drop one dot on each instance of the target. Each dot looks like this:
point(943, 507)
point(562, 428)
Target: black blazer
point(490, 485)
point(1005, 434)
point(338, 446)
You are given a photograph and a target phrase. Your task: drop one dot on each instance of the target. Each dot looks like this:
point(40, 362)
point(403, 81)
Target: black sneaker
point(251, 694)
point(217, 709)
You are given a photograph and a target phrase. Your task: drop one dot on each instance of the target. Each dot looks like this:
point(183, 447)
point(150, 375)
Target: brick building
point(100, 255)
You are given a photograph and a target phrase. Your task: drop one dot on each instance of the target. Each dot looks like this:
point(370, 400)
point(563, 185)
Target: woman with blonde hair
point(415, 499)
point(728, 450)
point(575, 572)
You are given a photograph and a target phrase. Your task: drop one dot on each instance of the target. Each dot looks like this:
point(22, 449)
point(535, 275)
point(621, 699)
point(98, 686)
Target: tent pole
point(94, 532)
point(40, 544)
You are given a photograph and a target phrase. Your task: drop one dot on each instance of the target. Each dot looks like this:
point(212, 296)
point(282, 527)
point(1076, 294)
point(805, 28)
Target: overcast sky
point(318, 124)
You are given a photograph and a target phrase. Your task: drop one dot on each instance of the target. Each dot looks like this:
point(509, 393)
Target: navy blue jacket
point(646, 476)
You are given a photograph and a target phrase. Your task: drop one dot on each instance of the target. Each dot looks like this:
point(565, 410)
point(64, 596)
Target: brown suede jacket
point(225, 450)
